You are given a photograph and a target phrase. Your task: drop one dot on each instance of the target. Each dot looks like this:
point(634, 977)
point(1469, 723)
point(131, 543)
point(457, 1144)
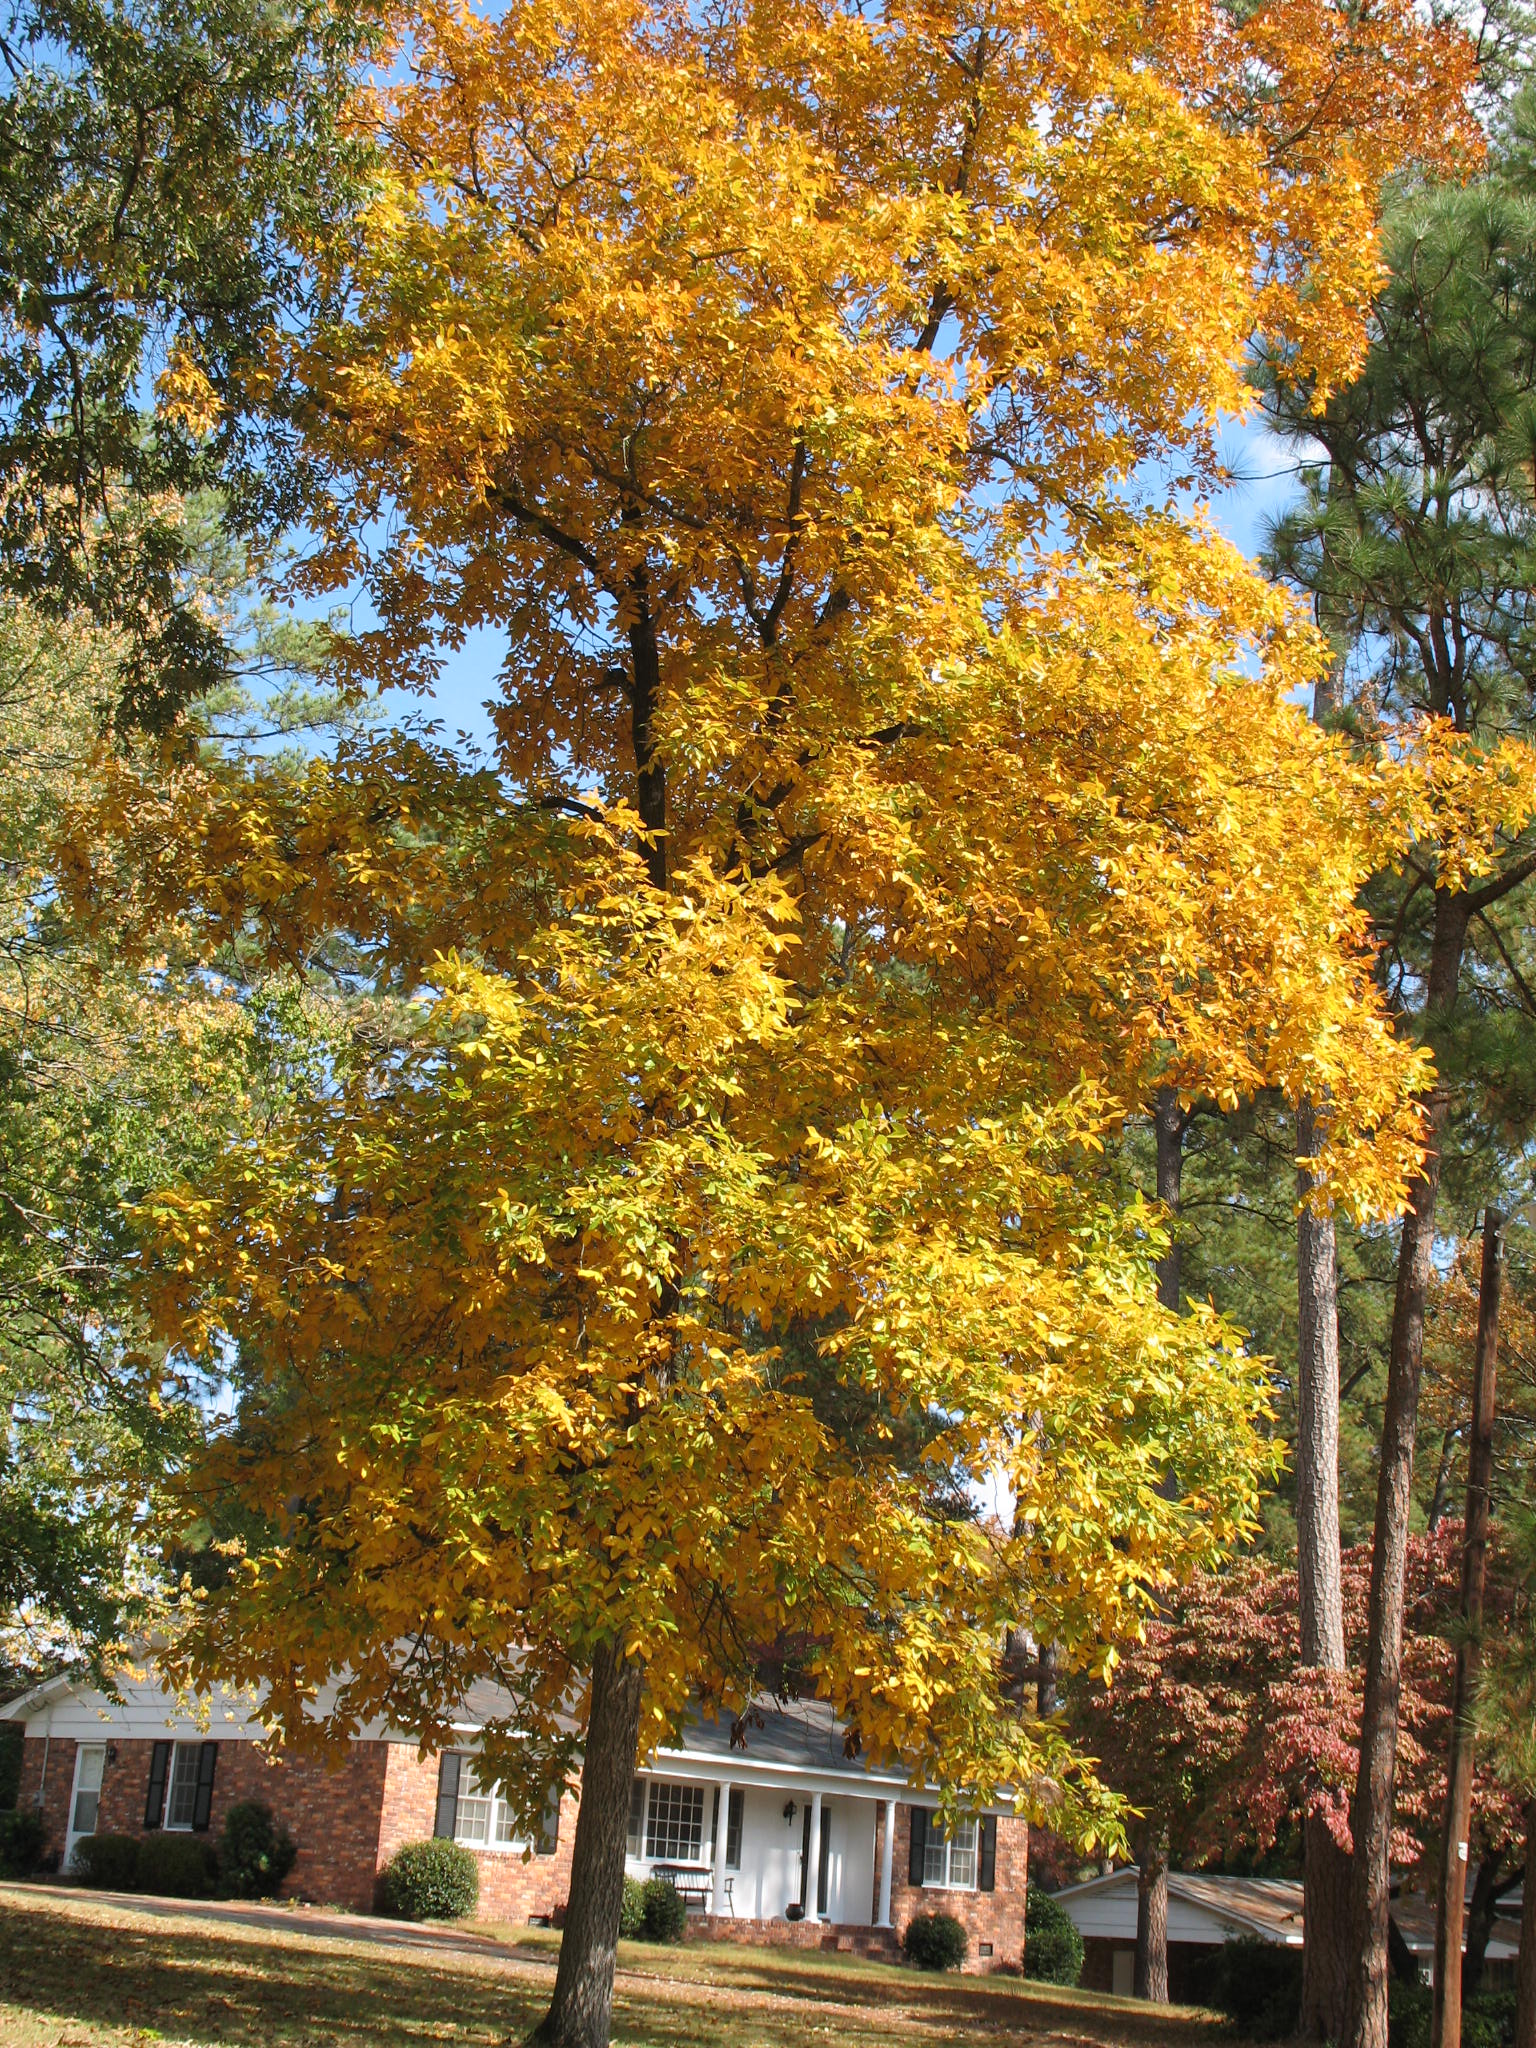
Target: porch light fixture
point(789, 1813)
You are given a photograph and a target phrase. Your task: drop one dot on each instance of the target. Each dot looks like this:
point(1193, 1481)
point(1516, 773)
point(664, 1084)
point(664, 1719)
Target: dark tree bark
point(1150, 1980)
point(1525, 1978)
point(1169, 1124)
point(581, 2011)
point(1494, 1878)
point(1365, 2003)
point(1326, 1867)
point(1445, 2025)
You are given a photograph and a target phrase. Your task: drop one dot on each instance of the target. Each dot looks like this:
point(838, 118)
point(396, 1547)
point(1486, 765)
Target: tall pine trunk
point(1445, 2025)
point(1151, 1970)
point(1525, 1978)
point(581, 2011)
point(1326, 1866)
point(1365, 2003)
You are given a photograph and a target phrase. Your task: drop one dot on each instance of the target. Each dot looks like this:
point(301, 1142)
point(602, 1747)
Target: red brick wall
point(53, 1765)
point(510, 1889)
point(996, 1916)
point(332, 1812)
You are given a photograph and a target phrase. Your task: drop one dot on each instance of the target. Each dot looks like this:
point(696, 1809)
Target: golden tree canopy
point(892, 787)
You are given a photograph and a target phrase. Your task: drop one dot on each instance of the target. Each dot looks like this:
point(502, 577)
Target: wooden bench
point(692, 1885)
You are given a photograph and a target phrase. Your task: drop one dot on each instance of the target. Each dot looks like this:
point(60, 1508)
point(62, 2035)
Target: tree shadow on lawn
point(258, 1990)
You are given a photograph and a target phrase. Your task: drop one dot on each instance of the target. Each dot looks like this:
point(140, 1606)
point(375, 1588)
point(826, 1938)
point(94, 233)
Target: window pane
point(182, 1804)
point(935, 1859)
point(636, 1833)
point(86, 1804)
point(962, 1857)
point(675, 1828)
point(505, 1833)
point(93, 1757)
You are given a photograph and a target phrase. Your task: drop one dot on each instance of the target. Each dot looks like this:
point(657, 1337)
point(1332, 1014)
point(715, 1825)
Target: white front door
point(85, 1797)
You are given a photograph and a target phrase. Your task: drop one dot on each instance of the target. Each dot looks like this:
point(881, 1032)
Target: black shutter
point(986, 1876)
point(202, 1806)
point(805, 1855)
point(159, 1771)
point(549, 1830)
point(825, 1859)
point(919, 1845)
point(448, 1766)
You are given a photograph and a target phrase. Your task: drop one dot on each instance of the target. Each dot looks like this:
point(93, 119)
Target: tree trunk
point(1365, 2005)
point(1151, 1978)
point(1169, 1123)
point(1525, 1976)
point(1493, 1880)
point(1445, 2025)
point(1325, 1867)
point(581, 2011)
point(1151, 1975)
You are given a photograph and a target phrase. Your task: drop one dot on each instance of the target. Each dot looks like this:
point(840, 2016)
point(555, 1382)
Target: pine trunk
point(581, 2011)
point(1445, 2024)
point(1365, 2005)
point(1525, 1979)
point(1151, 1974)
point(1326, 1867)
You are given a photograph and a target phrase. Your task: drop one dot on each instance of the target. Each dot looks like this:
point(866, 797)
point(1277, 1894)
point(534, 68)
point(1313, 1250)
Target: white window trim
point(186, 1755)
point(947, 1883)
point(701, 1857)
point(497, 1815)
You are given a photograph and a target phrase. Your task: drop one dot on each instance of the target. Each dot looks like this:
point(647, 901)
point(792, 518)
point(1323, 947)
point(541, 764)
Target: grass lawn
point(78, 1971)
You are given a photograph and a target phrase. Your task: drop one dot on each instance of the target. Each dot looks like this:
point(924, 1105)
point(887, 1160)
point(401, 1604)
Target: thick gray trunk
point(1326, 1867)
point(1318, 1564)
point(581, 2011)
point(1445, 2024)
point(1150, 1979)
point(1365, 2004)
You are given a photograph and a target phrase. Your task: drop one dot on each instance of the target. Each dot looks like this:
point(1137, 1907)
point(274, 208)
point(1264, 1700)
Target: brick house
point(785, 1840)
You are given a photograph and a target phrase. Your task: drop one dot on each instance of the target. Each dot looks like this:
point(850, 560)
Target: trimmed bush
point(632, 1911)
point(181, 1866)
point(22, 1838)
point(256, 1853)
point(1053, 1948)
point(12, 1735)
point(665, 1910)
point(434, 1880)
point(935, 1941)
point(1256, 1984)
point(109, 1862)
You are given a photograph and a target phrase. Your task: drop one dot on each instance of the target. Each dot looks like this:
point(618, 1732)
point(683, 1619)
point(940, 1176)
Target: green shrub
point(665, 1910)
point(1488, 2021)
point(256, 1853)
point(109, 1862)
point(180, 1866)
point(434, 1880)
point(935, 1941)
point(1410, 2009)
point(632, 1911)
point(1053, 1948)
point(1256, 1984)
point(22, 1838)
point(12, 1735)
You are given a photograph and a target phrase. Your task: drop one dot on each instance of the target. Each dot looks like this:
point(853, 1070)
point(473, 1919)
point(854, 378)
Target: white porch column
point(813, 1862)
point(722, 1834)
point(887, 1857)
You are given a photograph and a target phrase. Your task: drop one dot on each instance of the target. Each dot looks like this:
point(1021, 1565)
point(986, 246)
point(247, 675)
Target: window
point(733, 1828)
point(484, 1819)
point(181, 1805)
point(93, 1758)
point(674, 1831)
point(634, 1840)
point(949, 1861)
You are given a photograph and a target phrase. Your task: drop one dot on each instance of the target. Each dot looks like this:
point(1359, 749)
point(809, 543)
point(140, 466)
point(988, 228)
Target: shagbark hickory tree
point(889, 795)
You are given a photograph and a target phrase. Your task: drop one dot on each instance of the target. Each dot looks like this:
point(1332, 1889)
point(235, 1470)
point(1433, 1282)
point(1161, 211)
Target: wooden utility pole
point(1446, 2025)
